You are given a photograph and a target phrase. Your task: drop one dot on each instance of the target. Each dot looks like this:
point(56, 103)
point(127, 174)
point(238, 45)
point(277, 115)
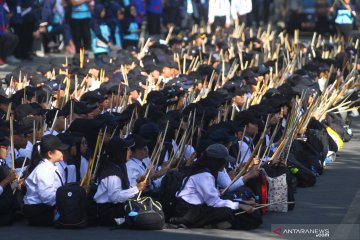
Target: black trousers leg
point(39, 214)
point(86, 36)
point(24, 32)
point(197, 216)
point(76, 33)
point(108, 211)
point(154, 23)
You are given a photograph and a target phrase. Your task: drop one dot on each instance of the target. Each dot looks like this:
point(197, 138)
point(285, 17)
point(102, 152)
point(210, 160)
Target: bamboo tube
point(82, 52)
point(99, 154)
point(22, 168)
point(34, 132)
point(240, 145)
point(12, 142)
point(86, 180)
point(54, 121)
point(271, 141)
point(169, 35)
point(8, 111)
point(266, 205)
point(155, 160)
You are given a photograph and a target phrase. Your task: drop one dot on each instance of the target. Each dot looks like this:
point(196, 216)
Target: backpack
point(304, 176)
point(170, 185)
point(308, 156)
point(277, 192)
point(7, 199)
point(71, 206)
point(144, 214)
point(335, 136)
point(276, 170)
point(259, 186)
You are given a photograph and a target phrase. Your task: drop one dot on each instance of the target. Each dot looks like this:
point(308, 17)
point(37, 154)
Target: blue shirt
point(344, 16)
point(81, 11)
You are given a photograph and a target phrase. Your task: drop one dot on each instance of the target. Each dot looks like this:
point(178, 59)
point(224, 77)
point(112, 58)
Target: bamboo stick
point(12, 142)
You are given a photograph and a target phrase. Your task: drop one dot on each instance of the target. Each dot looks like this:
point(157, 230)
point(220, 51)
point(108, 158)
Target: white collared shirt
point(245, 152)
point(83, 166)
point(71, 176)
point(47, 132)
point(219, 8)
point(8, 157)
point(42, 184)
point(240, 7)
point(223, 180)
point(135, 169)
point(200, 189)
point(110, 191)
point(27, 151)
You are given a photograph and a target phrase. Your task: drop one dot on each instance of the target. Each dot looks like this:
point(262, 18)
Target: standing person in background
point(53, 13)
point(292, 15)
point(219, 14)
point(190, 14)
point(154, 11)
point(345, 17)
point(240, 10)
point(80, 23)
point(113, 13)
point(8, 40)
point(140, 9)
point(203, 7)
point(172, 11)
point(130, 27)
point(100, 34)
point(23, 23)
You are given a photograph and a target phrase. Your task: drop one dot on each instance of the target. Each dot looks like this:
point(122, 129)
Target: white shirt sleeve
point(234, 9)
point(115, 192)
point(46, 187)
point(223, 180)
point(206, 188)
point(133, 173)
point(83, 167)
point(227, 11)
point(211, 14)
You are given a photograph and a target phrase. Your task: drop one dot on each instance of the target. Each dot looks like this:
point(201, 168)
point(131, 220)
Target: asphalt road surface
point(334, 199)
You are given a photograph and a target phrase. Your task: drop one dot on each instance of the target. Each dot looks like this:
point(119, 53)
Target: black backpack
point(171, 183)
point(307, 156)
point(71, 206)
point(144, 214)
point(7, 199)
point(304, 176)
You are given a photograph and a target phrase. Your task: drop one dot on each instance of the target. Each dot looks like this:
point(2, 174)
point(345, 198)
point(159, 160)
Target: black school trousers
point(198, 216)
point(80, 29)
point(39, 214)
point(108, 211)
point(153, 23)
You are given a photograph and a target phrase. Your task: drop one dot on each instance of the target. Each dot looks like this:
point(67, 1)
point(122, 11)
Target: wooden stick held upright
point(12, 142)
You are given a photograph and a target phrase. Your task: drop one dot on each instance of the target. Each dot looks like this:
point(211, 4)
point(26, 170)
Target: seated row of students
point(121, 176)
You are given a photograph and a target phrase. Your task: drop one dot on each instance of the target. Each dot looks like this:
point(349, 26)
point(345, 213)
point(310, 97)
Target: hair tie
point(38, 148)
